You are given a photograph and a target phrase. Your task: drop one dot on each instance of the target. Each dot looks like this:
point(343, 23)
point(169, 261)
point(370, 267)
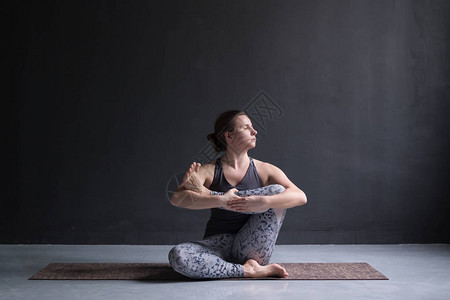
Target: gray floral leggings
point(223, 255)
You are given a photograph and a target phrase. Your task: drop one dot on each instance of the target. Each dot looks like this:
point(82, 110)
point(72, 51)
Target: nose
point(254, 132)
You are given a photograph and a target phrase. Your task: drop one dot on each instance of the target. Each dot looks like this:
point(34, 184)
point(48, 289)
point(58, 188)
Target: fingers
point(238, 204)
point(237, 201)
point(232, 192)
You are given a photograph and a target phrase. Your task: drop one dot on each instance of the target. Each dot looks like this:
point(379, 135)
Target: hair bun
point(211, 137)
point(213, 140)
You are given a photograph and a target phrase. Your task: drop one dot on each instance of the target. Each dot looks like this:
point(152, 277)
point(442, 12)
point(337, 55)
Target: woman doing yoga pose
point(248, 199)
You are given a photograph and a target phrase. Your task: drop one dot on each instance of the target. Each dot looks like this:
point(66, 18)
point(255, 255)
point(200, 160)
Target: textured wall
point(112, 99)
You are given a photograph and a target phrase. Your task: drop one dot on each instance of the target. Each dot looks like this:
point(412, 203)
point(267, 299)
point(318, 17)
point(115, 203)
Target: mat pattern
point(162, 271)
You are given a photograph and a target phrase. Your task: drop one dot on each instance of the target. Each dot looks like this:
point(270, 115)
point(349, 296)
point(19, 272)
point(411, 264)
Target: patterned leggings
point(223, 255)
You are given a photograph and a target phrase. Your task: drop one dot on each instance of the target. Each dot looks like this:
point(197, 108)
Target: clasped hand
point(254, 203)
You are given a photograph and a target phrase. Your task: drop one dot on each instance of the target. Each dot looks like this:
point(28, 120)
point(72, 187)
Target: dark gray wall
point(111, 99)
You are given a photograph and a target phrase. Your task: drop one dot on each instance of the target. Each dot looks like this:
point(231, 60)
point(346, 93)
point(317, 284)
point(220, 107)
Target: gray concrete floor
point(415, 272)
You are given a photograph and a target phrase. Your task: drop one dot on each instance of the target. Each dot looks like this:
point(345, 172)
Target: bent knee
point(176, 254)
point(180, 258)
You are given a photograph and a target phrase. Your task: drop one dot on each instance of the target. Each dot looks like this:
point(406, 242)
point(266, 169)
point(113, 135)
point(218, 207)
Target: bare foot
point(191, 180)
point(254, 270)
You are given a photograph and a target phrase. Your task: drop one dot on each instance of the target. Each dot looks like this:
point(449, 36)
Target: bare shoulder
point(207, 173)
point(207, 168)
point(271, 174)
point(265, 165)
point(265, 171)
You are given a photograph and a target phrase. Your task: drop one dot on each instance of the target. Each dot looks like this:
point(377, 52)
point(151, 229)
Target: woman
point(248, 199)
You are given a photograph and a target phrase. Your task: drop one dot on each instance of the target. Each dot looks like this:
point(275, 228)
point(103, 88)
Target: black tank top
point(225, 221)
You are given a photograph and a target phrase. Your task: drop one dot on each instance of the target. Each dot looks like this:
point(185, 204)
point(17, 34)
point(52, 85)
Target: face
point(243, 137)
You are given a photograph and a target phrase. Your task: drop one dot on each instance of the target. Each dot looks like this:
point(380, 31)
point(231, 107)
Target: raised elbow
point(303, 199)
point(181, 199)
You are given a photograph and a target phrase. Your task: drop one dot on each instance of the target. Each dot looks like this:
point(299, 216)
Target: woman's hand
point(230, 195)
point(254, 203)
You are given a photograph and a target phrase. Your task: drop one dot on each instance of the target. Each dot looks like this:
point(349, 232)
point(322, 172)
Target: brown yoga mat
point(162, 271)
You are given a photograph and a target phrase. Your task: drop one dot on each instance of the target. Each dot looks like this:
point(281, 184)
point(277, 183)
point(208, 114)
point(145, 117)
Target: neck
point(236, 160)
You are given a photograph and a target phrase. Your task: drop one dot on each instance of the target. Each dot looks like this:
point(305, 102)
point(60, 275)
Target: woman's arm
point(291, 197)
point(192, 193)
point(193, 200)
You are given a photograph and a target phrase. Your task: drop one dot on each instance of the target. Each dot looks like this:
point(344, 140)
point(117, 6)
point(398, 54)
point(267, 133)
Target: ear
point(228, 135)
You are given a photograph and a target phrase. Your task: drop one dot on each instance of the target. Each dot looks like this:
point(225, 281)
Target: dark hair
point(224, 123)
